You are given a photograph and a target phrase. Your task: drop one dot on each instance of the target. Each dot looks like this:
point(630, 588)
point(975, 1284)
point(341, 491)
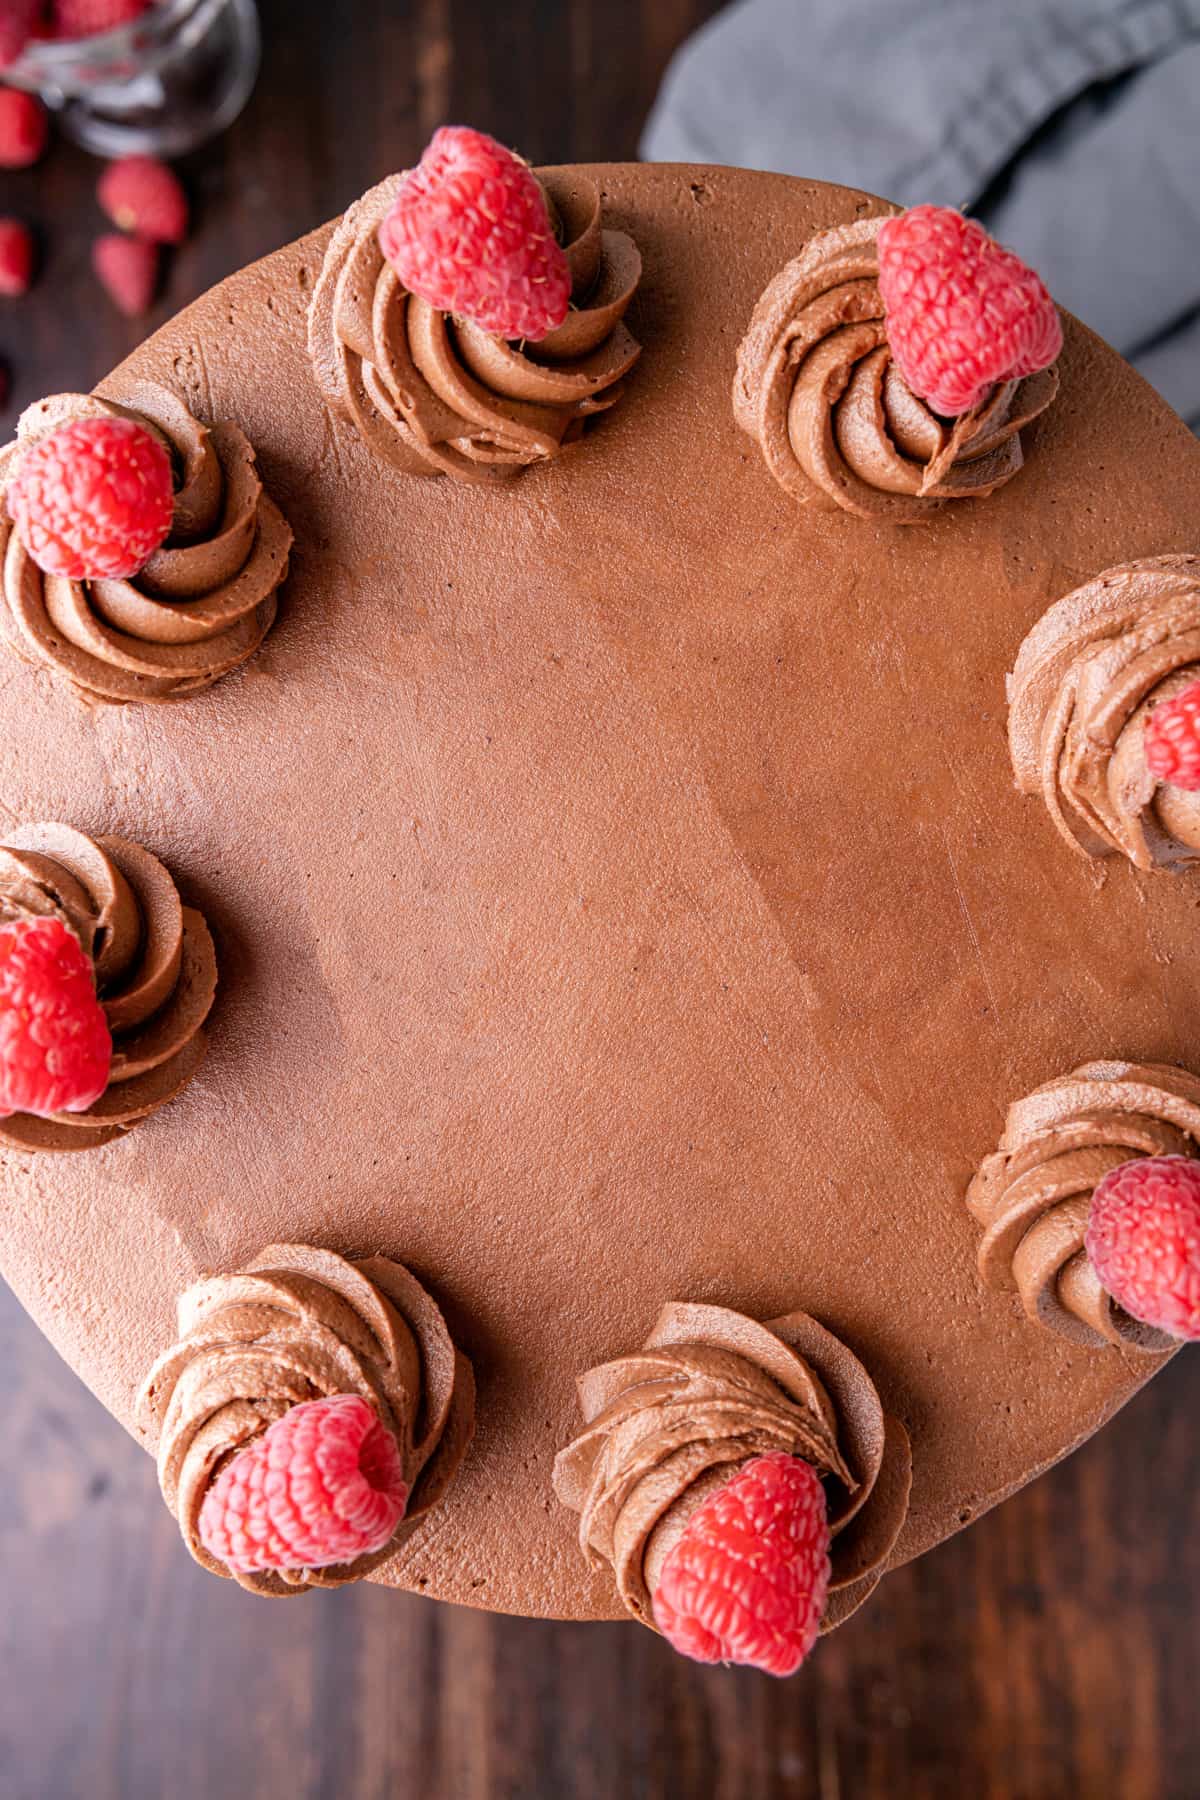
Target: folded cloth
point(1070, 127)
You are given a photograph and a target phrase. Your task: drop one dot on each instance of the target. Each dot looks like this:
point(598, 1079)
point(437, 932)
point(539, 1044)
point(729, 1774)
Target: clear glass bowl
point(169, 81)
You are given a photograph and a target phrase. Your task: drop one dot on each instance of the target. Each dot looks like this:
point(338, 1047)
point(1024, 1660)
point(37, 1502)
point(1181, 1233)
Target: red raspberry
point(24, 128)
point(322, 1485)
point(88, 18)
point(470, 233)
point(16, 258)
point(55, 1046)
point(128, 271)
point(1143, 1238)
point(17, 21)
point(142, 195)
point(747, 1581)
point(93, 499)
point(962, 313)
point(1173, 739)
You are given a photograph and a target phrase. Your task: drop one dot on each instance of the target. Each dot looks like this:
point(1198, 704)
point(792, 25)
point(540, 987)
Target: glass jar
point(172, 79)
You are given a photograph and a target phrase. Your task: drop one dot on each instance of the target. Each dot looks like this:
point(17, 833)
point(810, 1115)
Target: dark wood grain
point(1050, 1651)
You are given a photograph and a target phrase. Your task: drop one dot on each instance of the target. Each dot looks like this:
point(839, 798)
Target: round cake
point(620, 893)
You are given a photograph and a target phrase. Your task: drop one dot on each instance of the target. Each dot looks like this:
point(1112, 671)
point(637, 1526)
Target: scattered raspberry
point(322, 1485)
point(17, 21)
point(1143, 1238)
point(16, 258)
point(127, 269)
point(88, 18)
point(962, 313)
point(55, 1046)
point(93, 499)
point(142, 195)
point(1173, 739)
point(470, 233)
point(746, 1583)
point(24, 128)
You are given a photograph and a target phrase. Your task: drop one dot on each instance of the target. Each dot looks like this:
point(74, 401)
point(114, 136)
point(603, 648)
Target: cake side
point(620, 895)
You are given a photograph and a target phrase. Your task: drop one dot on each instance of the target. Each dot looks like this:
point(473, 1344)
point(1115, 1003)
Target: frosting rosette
point(835, 420)
point(1086, 680)
point(203, 602)
point(434, 394)
point(1033, 1195)
point(155, 968)
point(709, 1390)
point(301, 1324)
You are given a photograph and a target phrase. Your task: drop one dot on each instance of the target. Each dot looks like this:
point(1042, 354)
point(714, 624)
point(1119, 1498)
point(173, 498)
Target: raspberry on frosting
point(747, 1581)
point(93, 499)
point(323, 1485)
point(470, 232)
point(963, 313)
point(1143, 1238)
point(1173, 739)
point(55, 1045)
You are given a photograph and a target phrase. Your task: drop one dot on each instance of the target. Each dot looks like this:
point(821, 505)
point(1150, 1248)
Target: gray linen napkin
point(1071, 127)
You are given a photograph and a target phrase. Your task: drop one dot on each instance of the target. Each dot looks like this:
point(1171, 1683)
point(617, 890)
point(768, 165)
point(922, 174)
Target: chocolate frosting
point(709, 1390)
point(566, 950)
point(1032, 1196)
point(836, 421)
point(433, 394)
point(156, 971)
point(204, 601)
point(298, 1324)
point(1086, 679)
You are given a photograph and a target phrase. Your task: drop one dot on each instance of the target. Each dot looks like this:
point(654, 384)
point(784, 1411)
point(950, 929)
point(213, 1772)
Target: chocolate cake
point(620, 893)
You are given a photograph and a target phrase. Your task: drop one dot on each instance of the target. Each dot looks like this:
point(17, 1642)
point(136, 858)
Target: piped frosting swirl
point(432, 394)
point(709, 1390)
point(299, 1324)
point(204, 601)
point(1032, 1196)
point(156, 971)
point(835, 420)
point(1086, 678)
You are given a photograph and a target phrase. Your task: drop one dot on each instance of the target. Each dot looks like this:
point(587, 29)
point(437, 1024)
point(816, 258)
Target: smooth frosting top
point(709, 1390)
point(1086, 678)
point(834, 417)
point(434, 394)
point(204, 601)
point(156, 971)
point(299, 1324)
point(1033, 1195)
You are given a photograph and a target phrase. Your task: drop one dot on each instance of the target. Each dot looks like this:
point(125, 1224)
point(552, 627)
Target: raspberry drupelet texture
point(93, 499)
point(16, 258)
point(127, 269)
point(55, 1045)
point(323, 1485)
point(747, 1581)
point(470, 233)
point(1173, 739)
point(962, 312)
point(24, 128)
point(1143, 1239)
point(142, 195)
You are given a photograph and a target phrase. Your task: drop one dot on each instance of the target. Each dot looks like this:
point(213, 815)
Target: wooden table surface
point(1049, 1651)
